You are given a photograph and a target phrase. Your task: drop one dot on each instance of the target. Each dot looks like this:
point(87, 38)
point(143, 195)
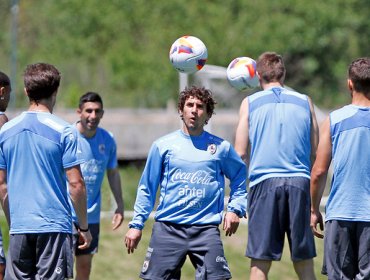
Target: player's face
point(90, 115)
point(194, 116)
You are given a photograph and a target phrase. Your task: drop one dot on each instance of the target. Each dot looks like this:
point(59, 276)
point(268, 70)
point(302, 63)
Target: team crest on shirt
point(102, 148)
point(145, 266)
point(212, 148)
point(71, 137)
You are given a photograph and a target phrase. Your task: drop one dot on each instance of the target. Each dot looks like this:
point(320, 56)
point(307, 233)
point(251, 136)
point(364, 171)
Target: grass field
point(113, 263)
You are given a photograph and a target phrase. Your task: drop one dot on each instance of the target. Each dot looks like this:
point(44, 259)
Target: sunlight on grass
point(113, 261)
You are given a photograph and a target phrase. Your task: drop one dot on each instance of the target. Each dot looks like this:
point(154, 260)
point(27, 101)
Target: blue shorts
point(279, 206)
point(347, 250)
point(40, 256)
point(170, 244)
point(93, 248)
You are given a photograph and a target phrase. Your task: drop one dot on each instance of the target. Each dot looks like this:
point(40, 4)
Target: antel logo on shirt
point(200, 177)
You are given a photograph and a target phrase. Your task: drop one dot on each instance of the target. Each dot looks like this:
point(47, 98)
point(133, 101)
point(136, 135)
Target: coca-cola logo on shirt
point(200, 177)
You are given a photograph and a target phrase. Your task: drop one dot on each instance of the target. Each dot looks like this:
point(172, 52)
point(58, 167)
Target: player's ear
point(350, 85)
point(102, 113)
point(258, 75)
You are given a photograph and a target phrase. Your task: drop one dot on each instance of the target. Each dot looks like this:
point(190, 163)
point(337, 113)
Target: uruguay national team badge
point(102, 148)
point(212, 148)
point(145, 266)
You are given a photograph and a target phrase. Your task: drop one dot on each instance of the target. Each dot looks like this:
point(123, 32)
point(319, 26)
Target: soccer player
point(98, 149)
point(190, 166)
point(38, 151)
point(5, 89)
point(277, 127)
point(345, 140)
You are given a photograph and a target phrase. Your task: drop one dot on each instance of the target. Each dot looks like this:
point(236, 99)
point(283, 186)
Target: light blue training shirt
point(99, 153)
point(191, 174)
point(279, 134)
point(35, 150)
point(349, 197)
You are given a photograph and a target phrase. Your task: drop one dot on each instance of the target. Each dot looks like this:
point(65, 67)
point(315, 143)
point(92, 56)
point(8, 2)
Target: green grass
point(113, 262)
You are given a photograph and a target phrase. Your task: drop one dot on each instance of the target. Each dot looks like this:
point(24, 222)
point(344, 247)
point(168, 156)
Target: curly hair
point(203, 94)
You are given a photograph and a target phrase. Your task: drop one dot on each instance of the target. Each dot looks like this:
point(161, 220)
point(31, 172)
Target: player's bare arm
point(114, 180)
point(241, 136)
point(314, 133)
point(318, 177)
point(4, 194)
point(77, 192)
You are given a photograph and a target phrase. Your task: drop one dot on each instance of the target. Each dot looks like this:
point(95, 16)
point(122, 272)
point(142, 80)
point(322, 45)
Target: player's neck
point(271, 85)
point(191, 132)
point(360, 99)
point(85, 132)
point(39, 107)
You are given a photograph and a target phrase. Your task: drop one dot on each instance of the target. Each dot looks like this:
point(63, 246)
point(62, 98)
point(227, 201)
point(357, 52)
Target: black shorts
point(279, 206)
point(347, 250)
point(170, 244)
point(2, 254)
point(93, 248)
point(40, 256)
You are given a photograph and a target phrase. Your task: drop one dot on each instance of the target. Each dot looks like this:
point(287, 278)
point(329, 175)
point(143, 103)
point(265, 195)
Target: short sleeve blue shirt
point(35, 150)
point(99, 153)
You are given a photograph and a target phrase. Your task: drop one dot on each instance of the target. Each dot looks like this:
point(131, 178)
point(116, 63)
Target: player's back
point(350, 133)
point(33, 153)
point(279, 133)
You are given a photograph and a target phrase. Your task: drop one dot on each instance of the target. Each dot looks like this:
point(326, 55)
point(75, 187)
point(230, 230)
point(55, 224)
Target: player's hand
point(84, 239)
point(117, 220)
point(316, 218)
point(132, 239)
point(231, 223)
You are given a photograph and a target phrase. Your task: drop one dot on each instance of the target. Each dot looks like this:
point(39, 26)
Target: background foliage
point(120, 47)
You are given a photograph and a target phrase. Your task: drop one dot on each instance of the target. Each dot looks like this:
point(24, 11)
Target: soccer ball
point(241, 73)
point(188, 54)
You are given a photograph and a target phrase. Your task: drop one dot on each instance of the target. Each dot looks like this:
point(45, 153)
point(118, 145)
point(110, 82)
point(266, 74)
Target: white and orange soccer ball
point(188, 54)
point(241, 73)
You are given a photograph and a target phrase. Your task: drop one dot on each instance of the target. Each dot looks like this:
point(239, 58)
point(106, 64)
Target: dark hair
point(205, 95)
point(359, 74)
point(4, 80)
point(41, 80)
point(90, 97)
point(271, 68)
